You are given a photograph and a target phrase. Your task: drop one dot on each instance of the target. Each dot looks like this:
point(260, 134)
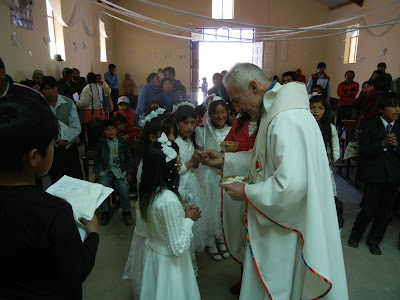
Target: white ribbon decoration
point(274, 35)
point(166, 148)
point(74, 19)
point(153, 114)
point(187, 103)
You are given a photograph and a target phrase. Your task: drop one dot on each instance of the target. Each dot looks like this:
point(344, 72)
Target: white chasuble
point(291, 212)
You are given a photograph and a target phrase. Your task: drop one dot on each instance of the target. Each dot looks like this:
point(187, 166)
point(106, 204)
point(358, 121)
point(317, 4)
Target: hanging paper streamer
point(280, 33)
point(46, 40)
point(75, 47)
point(16, 38)
point(74, 18)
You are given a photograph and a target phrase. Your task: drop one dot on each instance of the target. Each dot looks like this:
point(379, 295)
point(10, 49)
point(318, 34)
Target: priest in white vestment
point(293, 245)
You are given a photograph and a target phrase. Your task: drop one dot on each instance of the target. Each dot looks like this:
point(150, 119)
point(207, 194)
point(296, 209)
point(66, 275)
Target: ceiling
point(332, 4)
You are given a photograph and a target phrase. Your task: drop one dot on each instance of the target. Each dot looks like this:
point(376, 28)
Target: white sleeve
point(177, 227)
point(85, 98)
point(200, 137)
point(335, 145)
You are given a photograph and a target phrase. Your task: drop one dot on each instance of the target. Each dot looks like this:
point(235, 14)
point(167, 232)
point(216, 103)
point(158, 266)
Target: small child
point(41, 253)
point(112, 164)
point(168, 271)
point(366, 87)
point(123, 109)
point(216, 127)
point(123, 130)
point(129, 86)
point(378, 168)
point(204, 87)
point(185, 118)
point(167, 98)
point(153, 129)
point(321, 110)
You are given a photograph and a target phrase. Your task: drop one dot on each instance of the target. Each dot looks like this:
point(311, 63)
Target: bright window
point(222, 9)
point(224, 34)
point(350, 48)
point(56, 33)
point(103, 51)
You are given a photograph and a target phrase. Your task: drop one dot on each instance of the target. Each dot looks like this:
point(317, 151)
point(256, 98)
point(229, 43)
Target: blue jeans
point(121, 185)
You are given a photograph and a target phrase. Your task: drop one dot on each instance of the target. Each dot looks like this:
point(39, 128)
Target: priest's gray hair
point(241, 75)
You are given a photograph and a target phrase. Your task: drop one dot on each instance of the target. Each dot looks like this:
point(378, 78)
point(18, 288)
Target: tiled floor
point(368, 276)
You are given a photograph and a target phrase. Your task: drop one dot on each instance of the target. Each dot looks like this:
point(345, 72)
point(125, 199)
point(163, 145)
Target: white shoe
point(214, 254)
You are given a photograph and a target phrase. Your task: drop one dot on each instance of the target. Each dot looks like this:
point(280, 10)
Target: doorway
point(216, 54)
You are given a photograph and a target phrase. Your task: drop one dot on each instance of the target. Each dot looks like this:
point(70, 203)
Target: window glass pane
point(52, 44)
point(222, 34)
point(217, 9)
point(247, 34)
point(48, 9)
point(234, 33)
point(209, 34)
point(227, 9)
point(103, 51)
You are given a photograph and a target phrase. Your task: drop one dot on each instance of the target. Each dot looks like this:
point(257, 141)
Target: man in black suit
point(379, 169)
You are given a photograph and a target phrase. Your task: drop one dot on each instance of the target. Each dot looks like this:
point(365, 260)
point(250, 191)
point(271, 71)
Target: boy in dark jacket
point(112, 164)
point(379, 169)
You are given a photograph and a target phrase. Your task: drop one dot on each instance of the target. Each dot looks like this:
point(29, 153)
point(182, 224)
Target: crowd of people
point(176, 168)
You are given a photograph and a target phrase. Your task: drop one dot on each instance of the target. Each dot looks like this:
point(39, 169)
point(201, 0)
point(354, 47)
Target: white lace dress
point(135, 263)
point(208, 137)
point(168, 270)
point(189, 182)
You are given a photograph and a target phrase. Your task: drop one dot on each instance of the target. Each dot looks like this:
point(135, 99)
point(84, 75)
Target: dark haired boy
point(123, 130)
point(177, 86)
point(320, 78)
point(366, 102)
point(112, 165)
point(288, 76)
point(167, 98)
point(41, 254)
point(382, 67)
point(379, 169)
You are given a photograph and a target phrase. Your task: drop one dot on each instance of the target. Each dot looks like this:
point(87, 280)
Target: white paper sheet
point(322, 82)
point(85, 197)
point(76, 97)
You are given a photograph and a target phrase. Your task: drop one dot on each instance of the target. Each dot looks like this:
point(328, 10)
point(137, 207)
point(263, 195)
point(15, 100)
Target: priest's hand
point(235, 190)
point(212, 158)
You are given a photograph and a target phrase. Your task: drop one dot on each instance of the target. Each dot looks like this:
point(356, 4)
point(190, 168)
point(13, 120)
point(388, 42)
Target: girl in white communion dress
point(160, 123)
point(185, 118)
point(216, 127)
point(168, 270)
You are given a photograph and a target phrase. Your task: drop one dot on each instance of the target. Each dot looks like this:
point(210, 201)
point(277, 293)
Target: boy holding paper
point(42, 255)
point(320, 78)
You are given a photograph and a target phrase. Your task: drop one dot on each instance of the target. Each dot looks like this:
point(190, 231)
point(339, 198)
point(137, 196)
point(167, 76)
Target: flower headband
point(152, 115)
point(175, 107)
point(312, 95)
point(169, 152)
point(215, 98)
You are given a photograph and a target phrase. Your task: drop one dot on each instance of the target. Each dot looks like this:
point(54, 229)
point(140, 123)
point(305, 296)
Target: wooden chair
point(93, 131)
point(349, 127)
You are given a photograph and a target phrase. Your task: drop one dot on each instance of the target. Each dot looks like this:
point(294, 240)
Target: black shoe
point(374, 248)
point(105, 217)
point(352, 242)
point(127, 218)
